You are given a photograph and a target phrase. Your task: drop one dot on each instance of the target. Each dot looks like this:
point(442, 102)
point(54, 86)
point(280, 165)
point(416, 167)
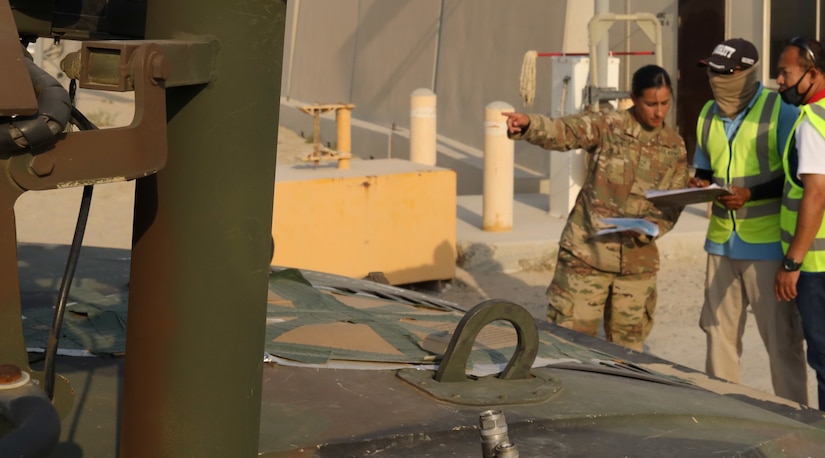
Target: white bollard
point(497, 200)
point(423, 126)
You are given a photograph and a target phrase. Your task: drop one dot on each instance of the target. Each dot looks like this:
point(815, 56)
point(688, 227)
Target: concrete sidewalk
point(532, 244)
point(49, 217)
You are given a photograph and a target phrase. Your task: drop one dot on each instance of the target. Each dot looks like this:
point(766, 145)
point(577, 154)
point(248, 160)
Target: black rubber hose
point(68, 275)
point(54, 112)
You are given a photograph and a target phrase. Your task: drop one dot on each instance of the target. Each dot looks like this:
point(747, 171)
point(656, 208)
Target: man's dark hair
point(810, 52)
point(650, 76)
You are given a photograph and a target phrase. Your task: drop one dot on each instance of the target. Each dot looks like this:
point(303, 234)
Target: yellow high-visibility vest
point(814, 260)
point(751, 158)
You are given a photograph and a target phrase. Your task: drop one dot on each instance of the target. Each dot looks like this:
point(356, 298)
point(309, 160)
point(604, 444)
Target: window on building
point(790, 18)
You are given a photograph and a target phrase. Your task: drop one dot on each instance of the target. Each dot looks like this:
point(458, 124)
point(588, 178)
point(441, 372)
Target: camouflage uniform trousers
point(580, 296)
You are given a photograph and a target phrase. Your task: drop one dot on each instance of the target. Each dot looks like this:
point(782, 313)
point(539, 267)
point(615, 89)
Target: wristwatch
point(790, 264)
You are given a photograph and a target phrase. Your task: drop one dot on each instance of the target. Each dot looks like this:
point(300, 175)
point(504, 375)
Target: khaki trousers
point(730, 287)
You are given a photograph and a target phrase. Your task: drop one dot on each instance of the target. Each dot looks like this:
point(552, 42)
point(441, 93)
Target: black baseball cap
point(731, 54)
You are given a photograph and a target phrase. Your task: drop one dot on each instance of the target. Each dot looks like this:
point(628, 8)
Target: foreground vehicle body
point(350, 370)
point(579, 400)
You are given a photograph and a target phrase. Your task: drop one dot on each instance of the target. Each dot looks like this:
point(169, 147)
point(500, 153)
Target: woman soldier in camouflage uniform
point(613, 276)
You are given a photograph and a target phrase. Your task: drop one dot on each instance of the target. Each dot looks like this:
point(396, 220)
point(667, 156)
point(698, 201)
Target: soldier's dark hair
point(810, 52)
point(650, 76)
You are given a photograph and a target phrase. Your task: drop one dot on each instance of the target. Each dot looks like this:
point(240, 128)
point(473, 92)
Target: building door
point(701, 27)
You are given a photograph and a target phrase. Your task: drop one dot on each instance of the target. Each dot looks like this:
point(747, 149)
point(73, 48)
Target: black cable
point(83, 123)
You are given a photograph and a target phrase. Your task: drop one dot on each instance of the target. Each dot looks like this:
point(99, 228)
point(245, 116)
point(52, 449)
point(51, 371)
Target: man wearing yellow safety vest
point(740, 135)
point(801, 81)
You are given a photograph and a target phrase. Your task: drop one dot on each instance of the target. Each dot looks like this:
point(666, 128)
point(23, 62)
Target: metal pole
point(201, 243)
point(343, 124)
point(603, 46)
point(12, 344)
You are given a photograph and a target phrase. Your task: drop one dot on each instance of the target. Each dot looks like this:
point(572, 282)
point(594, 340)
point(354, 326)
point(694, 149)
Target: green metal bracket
point(108, 64)
point(94, 156)
point(16, 92)
point(514, 385)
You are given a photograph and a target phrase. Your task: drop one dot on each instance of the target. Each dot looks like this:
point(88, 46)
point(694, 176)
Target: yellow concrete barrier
point(387, 215)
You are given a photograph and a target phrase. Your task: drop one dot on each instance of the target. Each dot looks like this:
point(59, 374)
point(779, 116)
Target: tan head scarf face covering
point(733, 92)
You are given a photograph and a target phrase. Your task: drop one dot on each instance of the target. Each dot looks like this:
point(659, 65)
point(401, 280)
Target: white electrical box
point(569, 76)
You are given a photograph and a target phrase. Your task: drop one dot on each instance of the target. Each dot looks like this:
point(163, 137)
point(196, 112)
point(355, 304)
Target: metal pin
point(493, 431)
point(506, 450)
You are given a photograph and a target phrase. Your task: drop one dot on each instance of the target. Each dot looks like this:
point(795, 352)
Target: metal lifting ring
point(453, 365)
point(515, 385)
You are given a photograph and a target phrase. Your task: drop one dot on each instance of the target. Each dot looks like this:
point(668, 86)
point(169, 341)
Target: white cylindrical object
point(423, 126)
point(603, 47)
point(497, 198)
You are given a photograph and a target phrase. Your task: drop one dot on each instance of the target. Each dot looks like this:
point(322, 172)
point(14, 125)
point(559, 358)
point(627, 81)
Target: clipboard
point(640, 225)
point(687, 196)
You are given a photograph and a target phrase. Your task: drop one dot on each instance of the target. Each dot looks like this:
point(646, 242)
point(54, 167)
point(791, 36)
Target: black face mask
point(792, 95)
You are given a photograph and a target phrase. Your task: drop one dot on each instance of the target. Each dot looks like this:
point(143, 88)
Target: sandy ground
point(676, 335)
point(49, 217)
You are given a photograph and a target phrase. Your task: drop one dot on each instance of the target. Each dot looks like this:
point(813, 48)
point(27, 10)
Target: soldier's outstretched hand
point(516, 122)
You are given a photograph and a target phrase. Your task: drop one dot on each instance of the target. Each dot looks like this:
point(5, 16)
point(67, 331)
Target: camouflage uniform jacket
point(623, 163)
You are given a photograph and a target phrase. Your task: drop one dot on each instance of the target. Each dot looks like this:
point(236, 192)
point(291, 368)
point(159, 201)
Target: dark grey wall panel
point(395, 54)
point(482, 49)
point(322, 52)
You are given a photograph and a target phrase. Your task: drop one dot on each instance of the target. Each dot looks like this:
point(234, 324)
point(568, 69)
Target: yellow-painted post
point(497, 198)
point(343, 120)
point(423, 126)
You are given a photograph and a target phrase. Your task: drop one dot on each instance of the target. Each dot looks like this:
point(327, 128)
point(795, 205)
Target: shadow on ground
point(41, 268)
